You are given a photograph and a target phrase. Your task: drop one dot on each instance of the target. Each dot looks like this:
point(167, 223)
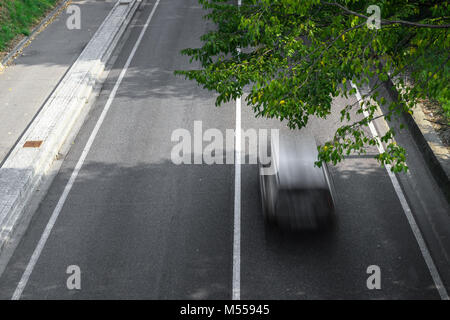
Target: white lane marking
point(37, 252)
point(412, 222)
point(236, 294)
point(237, 207)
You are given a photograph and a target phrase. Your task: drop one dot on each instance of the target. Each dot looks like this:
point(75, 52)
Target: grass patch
point(17, 17)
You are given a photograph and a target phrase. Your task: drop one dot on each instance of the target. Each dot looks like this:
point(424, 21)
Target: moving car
point(296, 194)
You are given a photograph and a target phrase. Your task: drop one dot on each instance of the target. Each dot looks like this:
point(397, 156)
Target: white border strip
point(412, 222)
point(42, 241)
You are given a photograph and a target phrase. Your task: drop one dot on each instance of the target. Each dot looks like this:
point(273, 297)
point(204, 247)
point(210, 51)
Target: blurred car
point(296, 194)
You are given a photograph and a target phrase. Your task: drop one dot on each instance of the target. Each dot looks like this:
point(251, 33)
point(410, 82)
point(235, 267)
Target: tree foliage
point(297, 55)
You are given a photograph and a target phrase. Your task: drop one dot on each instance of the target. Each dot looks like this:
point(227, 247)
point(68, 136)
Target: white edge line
point(42, 241)
point(407, 210)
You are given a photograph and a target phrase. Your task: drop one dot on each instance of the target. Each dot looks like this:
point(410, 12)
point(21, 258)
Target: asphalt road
point(139, 226)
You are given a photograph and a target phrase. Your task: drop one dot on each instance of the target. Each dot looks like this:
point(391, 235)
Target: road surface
point(141, 227)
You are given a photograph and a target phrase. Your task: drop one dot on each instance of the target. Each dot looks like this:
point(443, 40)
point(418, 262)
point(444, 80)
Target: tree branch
point(389, 22)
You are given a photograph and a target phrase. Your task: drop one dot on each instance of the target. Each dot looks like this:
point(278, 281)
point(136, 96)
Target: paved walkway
point(29, 81)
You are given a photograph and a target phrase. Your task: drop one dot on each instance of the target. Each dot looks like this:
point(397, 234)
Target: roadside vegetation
point(17, 17)
point(297, 55)
point(438, 96)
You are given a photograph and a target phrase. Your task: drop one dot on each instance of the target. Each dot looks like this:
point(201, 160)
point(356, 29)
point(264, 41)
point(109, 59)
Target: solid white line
point(37, 252)
point(412, 222)
point(237, 207)
point(236, 294)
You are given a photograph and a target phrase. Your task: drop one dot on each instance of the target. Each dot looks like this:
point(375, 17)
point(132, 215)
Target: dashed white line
point(40, 246)
point(407, 210)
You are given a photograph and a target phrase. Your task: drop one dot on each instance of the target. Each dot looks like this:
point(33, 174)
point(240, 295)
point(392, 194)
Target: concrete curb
point(7, 60)
point(25, 167)
point(427, 141)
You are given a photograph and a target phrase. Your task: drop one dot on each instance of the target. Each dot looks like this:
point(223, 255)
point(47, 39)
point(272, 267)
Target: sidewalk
point(28, 82)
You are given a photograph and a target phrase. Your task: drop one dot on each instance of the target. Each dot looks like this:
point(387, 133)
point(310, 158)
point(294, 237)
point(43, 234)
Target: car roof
point(295, 163)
